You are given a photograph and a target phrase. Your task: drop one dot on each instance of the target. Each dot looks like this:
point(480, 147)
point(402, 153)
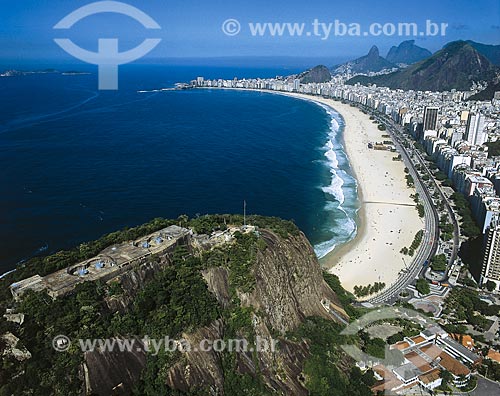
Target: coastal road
point(430, 240)
point(444, 198)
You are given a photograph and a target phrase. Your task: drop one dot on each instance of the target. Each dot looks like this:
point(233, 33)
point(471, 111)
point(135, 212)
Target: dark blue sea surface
point(76, 163)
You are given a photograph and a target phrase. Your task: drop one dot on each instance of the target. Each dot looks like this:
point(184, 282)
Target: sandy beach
point(387, 218)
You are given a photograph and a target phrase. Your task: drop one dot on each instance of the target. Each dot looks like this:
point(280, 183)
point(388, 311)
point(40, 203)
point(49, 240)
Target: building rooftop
point(494, 355)
point(418, 339)
point(418, 361)
point(108, 264)
point(479, 179)
point(407, 372)
point(449, 342)
point(453, 365)
point(389, 380)
point(464, 339)
point(431, 376)
point(401, 345)
point(432, 351)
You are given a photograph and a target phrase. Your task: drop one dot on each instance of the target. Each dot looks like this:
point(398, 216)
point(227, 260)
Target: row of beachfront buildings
point(452, 129)
point(454, 133)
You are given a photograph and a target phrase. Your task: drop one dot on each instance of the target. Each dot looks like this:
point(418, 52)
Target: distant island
point(15, 73)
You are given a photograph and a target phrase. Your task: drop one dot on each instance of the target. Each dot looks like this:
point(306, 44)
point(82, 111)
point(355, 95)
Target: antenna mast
point(244, 213)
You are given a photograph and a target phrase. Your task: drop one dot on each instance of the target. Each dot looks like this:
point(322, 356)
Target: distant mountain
point(372, 62)
point(407, 52)
point(492, 52)
point(456, 66)
point(318, 74)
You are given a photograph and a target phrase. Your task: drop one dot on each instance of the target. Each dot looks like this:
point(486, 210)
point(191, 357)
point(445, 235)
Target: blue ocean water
point(76, 163)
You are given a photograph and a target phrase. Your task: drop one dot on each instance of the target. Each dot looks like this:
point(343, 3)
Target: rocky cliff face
point(290, 283)
point(112, 373)
point(289, 287)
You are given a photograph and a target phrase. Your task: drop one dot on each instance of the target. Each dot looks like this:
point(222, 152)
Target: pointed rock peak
point(373, 51)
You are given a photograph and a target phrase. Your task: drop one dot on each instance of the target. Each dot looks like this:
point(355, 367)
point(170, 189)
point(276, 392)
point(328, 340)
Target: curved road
point(446, 201)
point(451, 213)
point(430, 239)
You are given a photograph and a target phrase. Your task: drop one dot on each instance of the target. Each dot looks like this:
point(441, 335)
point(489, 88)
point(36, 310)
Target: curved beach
point(387, 218)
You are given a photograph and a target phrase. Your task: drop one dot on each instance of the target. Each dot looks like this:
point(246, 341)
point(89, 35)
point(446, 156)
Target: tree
point(490, 285)
point(438, 263)
point(422, 287)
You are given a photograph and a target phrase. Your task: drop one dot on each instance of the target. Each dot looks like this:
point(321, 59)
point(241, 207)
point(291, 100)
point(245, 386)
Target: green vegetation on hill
point(322, 374)
point(44, 265)
point(346, 299)
point(318, 74)
point(456, 66)
point(175, 301)
point(488, 93)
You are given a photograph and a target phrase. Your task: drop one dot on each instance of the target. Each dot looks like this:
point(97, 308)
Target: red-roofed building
point(494, 355)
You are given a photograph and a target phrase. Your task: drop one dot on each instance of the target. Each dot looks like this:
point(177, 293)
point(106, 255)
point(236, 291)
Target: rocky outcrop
point(10, 346)
point(113, 372)
point(289, 283)
point(199, 369)
point(282, 367)
point(217, 281)
point(289, 287)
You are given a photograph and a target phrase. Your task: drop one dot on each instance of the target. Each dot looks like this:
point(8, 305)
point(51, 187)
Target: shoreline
point(386, 219)
point(385, 208)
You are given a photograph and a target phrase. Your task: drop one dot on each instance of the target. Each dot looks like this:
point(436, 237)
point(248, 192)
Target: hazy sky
point(193, 28)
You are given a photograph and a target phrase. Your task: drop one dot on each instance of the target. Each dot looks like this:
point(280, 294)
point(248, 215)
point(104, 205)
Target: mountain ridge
point(456, 66)
point(372, 62)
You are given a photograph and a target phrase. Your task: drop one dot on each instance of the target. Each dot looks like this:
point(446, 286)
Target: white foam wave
point(335, 188)
point(345, 227)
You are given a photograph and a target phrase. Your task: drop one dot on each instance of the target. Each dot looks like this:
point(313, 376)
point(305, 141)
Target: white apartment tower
point(475, 133)
point(491, 260)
